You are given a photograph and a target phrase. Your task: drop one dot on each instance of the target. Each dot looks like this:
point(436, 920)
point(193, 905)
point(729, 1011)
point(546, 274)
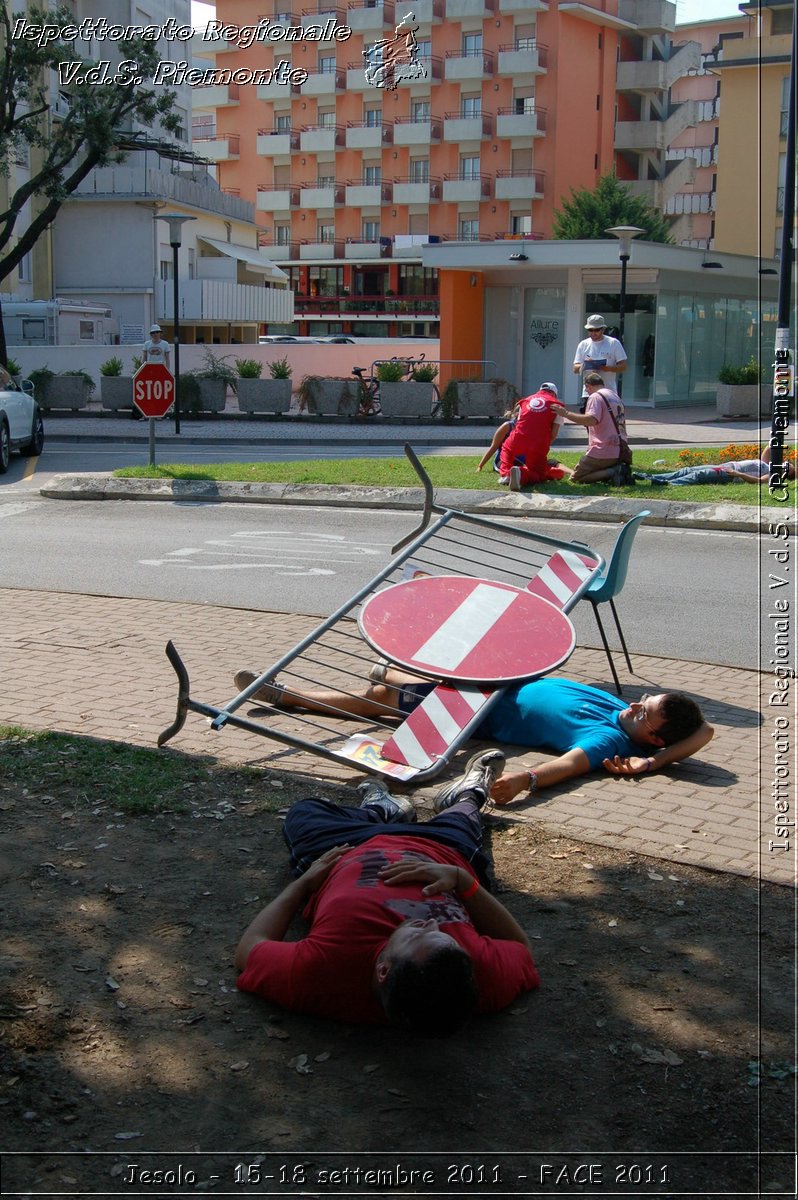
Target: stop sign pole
point(153, 395)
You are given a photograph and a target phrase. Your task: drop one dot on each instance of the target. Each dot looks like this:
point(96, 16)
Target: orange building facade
point(497, 110)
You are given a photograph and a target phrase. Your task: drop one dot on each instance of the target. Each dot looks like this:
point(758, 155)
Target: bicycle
point(369, 402)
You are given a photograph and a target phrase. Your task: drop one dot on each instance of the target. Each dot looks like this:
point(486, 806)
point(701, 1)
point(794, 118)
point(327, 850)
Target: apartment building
point(692, 206)
point(495, 110)
point(754, 73)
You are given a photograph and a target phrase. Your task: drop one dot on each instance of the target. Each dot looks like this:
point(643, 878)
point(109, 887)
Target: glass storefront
point(639, 339)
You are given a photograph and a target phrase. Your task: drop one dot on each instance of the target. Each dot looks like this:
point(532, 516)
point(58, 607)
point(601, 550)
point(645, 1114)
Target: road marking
point(13, 510)
point(285, 553)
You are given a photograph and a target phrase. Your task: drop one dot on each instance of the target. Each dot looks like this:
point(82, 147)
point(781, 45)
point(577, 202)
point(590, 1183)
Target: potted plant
point(411, 398)
point(116, 389)
point(213, 381)
point(740, 390)
point(263, 395)
point(13, 368)
point(336, 397)
point(67, 389)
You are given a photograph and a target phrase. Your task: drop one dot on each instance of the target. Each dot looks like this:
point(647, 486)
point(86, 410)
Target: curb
point(665, 513)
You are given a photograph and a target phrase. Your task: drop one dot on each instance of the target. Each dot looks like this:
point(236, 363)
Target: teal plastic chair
point(609, 583)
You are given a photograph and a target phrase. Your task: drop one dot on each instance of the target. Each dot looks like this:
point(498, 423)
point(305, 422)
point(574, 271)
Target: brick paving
point(96, 666)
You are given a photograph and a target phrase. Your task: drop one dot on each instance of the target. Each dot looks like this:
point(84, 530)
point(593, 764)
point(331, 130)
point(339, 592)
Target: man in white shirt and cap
point(598, 352)
point(156, 350)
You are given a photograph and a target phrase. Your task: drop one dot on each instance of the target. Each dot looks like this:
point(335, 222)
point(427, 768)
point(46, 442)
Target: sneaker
point(515, 479)
point(393, 808)
point(269, 693)
point(379, 670)
point(481, 772)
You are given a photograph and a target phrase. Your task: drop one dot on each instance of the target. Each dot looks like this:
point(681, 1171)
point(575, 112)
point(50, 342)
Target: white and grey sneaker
point(515, 479)
point(481, 772)
point(269, 693)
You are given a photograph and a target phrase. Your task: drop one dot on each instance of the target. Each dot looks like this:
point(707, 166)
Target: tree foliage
point(63, 148)
point(589, 214)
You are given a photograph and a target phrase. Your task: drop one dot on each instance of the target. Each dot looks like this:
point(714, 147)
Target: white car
point(21, 425)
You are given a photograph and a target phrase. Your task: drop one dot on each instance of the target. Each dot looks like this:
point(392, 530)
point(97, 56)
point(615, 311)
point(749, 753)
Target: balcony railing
point(343, 306)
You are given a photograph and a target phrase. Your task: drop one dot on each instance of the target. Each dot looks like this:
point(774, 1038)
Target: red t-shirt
point(531, 439)
point(330, 971)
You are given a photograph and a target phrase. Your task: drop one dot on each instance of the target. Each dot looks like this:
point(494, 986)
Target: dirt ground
point(653, 1060)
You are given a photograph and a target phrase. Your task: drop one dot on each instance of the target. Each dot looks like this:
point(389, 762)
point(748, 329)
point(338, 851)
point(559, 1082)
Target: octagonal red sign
point(153, 389)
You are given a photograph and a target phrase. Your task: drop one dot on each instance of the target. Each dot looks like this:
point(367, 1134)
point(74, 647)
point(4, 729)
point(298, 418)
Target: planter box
point(211, 396)
point(63, 391)
point(264, 395)
point(116, 391)
point(406, 399)
point(491, 399)
point(744, 400)
point(332, 397)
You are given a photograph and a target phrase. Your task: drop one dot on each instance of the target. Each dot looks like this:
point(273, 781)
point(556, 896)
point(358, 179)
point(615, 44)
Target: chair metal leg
point(620, 635)
point(607, 648)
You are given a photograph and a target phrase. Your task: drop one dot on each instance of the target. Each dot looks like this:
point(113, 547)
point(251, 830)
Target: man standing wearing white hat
point(598, 352)
point(155, 349)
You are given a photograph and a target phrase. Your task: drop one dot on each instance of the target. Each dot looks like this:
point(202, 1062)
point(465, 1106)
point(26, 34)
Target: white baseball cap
point(549, 387)
point(155, 329)
point(596, 322)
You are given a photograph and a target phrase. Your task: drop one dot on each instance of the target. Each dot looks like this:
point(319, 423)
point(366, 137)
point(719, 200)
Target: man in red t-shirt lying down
point(403, 927)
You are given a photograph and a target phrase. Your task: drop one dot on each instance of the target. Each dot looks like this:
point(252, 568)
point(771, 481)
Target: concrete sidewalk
point(96, 666)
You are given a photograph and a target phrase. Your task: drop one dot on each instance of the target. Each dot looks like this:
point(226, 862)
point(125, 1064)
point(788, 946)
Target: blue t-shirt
point(560, 715)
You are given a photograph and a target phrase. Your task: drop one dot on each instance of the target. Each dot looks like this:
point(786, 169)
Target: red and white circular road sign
point(467, 630)
point(153, 389)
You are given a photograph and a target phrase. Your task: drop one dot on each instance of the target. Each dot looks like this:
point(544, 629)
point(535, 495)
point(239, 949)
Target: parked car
point(21, 425)
point(271, 338)
point(337, 338)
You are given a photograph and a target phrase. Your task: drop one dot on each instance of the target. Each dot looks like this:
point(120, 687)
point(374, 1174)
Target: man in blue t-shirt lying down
point(586, 726)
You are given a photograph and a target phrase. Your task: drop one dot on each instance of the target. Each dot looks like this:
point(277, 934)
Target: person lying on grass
point(747, 470)
point(587, 727)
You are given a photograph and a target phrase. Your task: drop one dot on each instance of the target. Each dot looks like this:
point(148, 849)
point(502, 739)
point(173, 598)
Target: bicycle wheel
point(435, 411)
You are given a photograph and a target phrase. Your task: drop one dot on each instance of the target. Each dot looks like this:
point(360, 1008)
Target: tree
point(590, 214)
point(86, 132)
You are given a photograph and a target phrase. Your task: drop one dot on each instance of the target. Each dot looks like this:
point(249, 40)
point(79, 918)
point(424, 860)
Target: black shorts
point(411, 695)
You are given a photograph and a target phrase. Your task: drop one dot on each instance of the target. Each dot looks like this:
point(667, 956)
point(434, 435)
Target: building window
point(468, 229)
point(372, 117)
point(471, 45)
point(372, 175)
point(165, 269)
point(325, 119)
point(419, 170)
point(325, 181)
point(424, 48)
point(521, 225)
point(326, 64)
point(192, 263)
point(181, 133)
point(282, 235)
point(417, 280)
point(325, 232)
point(23, 269)
point(282, 123)
point(469, 166)
point(470, 106)
point(86, 331)
point(421, 110)
point(370, 231)
point(325, 281)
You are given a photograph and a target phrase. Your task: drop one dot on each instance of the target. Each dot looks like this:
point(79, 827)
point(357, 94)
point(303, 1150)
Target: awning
point(249, 255)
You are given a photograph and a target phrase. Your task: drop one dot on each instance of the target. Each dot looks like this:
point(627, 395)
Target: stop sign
point(153, 389)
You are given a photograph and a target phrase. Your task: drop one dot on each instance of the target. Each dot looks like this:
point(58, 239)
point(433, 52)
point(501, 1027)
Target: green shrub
point(40, 377)
point(449, 401)
point(425, 373)
point(391, 372)
point(137, 361)
point(249, 368)
point(13, 367)
point(80, 374)
point(111, 368)
point(216, 367)
point(280, 369)
point(751, 372)
point(190, 399)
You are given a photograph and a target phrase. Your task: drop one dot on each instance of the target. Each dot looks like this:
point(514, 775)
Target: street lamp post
point(175, 221)
point(624, 234)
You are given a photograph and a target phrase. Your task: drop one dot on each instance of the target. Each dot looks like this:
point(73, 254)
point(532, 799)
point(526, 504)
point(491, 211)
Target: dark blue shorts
point(411, 696)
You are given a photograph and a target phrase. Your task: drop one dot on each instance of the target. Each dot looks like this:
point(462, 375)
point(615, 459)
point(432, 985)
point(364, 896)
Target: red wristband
point(470, 891)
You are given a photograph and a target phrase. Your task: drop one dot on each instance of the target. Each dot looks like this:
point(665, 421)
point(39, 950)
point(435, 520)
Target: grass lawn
point(452, 471)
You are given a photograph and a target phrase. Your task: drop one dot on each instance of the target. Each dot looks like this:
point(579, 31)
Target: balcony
point(367, 195)
point(323, 250)
point(326, 18)
point(458, 10)
point(458, 189)
point(221, 148)
point(360, 136)
point(655, 135)
point(464, 67)
point(323, 196)
point(526, 57)
point(134, 181)
point(276, 199)
point(650, 16)
point(528, 124)
point(519, 185)
point(324, 83)
point(280, 251)
point(457, 128)
point(522, 8)
point(370, 17)
point(427, 12)
point(220, 300)
point(407, 131)
point(416, 191)
point(276, 91)
point(215, 96)
point(358, 249)
point(314, 139)
point(363, 307)
point(356, 80)
point(658, 76)
point(272, 144)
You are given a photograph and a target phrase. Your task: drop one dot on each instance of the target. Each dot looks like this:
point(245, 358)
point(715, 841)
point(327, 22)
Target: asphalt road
point(691, 594)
